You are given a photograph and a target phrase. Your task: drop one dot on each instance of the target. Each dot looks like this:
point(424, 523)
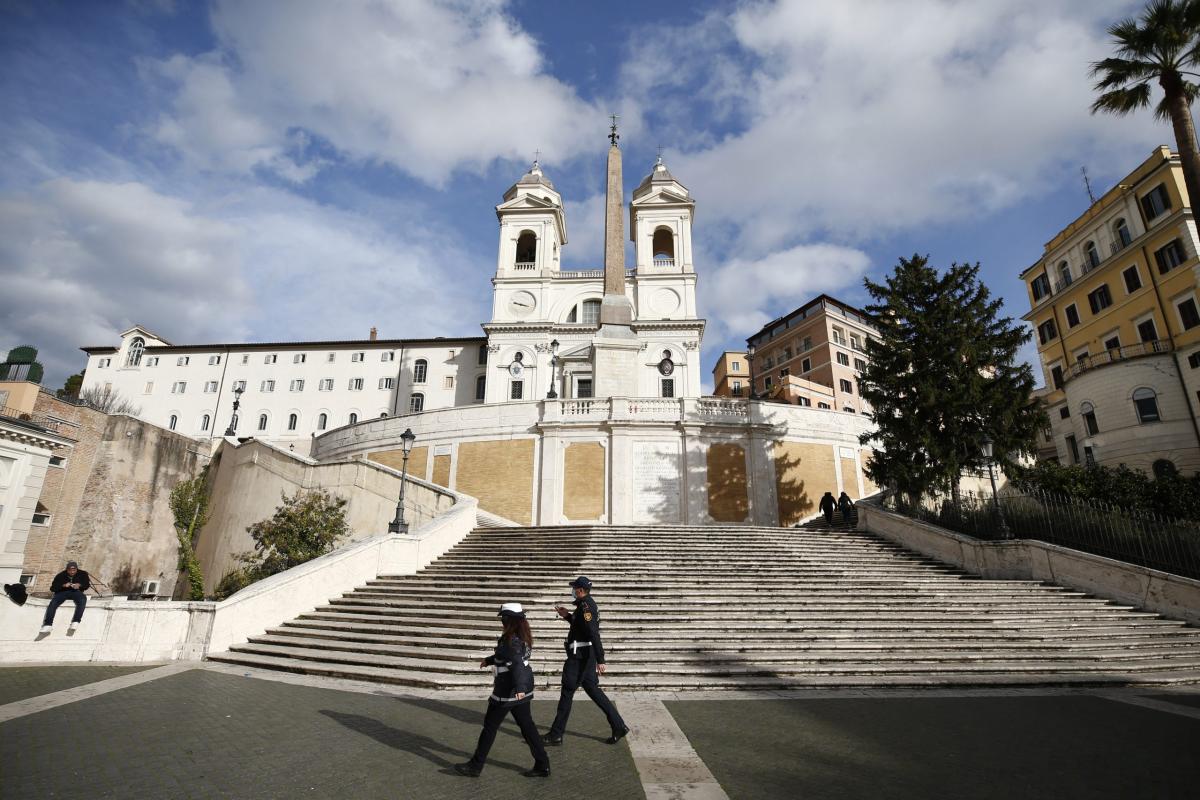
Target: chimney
point(374, 333)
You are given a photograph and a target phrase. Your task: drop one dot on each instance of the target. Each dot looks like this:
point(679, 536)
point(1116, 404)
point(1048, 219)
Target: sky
point(304, 170)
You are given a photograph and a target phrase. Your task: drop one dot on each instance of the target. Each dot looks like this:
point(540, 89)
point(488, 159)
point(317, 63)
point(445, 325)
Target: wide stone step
point(615, 594)
point(719, 599)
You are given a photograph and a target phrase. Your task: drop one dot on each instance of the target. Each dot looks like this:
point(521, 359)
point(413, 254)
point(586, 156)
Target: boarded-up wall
point(727, 497)
point(418, 460)
point(500, 475)
point(441, 470)
point(850, 477)
point(803, 472)
point(583, 481)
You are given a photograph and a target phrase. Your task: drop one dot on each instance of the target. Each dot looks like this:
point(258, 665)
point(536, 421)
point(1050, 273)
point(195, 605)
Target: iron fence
point(1138, 537)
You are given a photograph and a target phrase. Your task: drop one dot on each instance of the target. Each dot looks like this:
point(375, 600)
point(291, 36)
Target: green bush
point(233, 581)
point(1170, 496)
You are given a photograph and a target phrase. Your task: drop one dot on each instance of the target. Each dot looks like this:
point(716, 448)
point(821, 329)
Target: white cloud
point(428, 87)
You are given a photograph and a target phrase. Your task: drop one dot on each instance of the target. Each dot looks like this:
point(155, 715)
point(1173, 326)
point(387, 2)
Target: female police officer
point(511, 692)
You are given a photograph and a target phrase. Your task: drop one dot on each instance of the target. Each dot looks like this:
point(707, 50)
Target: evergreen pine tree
point(942, 377)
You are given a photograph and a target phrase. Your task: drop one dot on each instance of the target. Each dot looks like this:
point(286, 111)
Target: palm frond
point(1119, 71)
point(1123, 101)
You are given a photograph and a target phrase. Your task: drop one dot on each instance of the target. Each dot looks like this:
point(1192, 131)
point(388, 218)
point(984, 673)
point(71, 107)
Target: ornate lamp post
point(750, 362)
point(553, 393)
point(988, 448)
point(233, 420)
point(398, 525)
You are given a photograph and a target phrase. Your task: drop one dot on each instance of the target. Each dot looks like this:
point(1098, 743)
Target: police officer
point(584, 664)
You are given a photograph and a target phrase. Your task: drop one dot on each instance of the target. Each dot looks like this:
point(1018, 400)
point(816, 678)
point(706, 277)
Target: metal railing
point(1137, 537)
point(41, 420)
point(1112, 356)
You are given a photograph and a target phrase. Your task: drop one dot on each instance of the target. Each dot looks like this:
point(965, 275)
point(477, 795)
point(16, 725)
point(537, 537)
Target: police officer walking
point(584, 665)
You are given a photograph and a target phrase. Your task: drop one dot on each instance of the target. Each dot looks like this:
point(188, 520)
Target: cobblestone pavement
point(19, 683)
point(202, 734)
point(1029, 747)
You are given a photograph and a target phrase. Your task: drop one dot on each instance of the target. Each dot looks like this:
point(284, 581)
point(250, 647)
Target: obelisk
point(615, 348)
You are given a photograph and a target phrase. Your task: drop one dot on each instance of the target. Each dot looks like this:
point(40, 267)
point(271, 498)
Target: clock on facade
point(521, 304)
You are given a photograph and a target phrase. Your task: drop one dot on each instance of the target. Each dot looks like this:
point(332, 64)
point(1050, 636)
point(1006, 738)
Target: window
point(1056, 376)
point(204, 422)
point(326, 385)
point(1088, 413)
point(330, 358)
point(855, 343)
point(136, 348)
point(736, 391)
point(1170, 256)
point(1064, 413)
point(1089, 455)
point(1040, 286)
point(848, 409)
point(385, 383)
point(353, 418)
point(267, 386)
point(149, 387)
point(1064, 273)
point(152, 361)
point(668, 387)
point(806, 365)
point(387, 355)
point(859, 364)
point(480, 386)
point(420, 370)
point(246, 359)
point(356, 384)
point(1047, 331)
point(178, 387)
point(1145, 402)
point(173, 421)
point(1112, 343)
point(356, 357)
point(590, 312)
point(296, 385)
point(803, 401)
point(210, 387)
point(783, 373)
point(839, 337)
point(239, 385)
point(448, 382)
point(183, 361)
point(583, 388)
point(322, 421)
point(846, 386)
point(663, 245)
point(262, 422)
point(1100, 299)
point(270, 359)
point(1156, 202)
point(104, 362)
point(214, 361)
point(1122, 233)
point(526, 248)
point(735, 366)
point(1132, 281)
point(822, 405)
point(58, 461)
point(1092, 254)
point(1072, 448)
point(1188, 314)
point(843, 359)
point(299, 358)
point(41, 518)
point(293, 421)
point(767, 383)
point(1146, 330)
point(807, 343)
point(516, 390)
point(1165, 468)
point(481, 360)
point(1194, 360)
point(1072, 314)
point(787, 353)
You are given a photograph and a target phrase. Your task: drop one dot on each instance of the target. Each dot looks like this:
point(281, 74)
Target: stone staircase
point(728, 607)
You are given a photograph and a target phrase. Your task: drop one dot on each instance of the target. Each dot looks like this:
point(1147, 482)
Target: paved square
point(19, 683)
point(1058, 746)
point(201, 734)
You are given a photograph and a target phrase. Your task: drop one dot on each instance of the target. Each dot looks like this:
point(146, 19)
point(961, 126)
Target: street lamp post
point(398, 525)
point(750, 364)
point(233, 420)
point(988, 448)
point(553, 393)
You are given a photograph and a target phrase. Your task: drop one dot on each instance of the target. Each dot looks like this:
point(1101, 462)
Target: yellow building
point(731, 375)
point(1117, 323)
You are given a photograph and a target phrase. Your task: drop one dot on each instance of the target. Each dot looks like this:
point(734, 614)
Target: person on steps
point(584, 665)
point(70, 584)
point(846, 506)
point(512, 693)
point(828, 504)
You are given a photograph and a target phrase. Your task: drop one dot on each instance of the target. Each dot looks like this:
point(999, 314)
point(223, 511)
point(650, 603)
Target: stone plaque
point(656, 482)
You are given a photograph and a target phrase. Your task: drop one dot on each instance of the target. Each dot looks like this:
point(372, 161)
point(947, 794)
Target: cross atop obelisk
point(613, 136)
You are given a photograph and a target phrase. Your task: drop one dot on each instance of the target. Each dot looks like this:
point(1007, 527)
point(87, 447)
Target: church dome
point(659, 175)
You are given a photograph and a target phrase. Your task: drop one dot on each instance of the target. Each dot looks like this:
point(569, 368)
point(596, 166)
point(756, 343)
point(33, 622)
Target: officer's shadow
point(476, 717)
point(410, 742)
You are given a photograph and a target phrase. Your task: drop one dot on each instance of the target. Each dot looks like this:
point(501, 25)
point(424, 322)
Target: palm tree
point(1163, 45)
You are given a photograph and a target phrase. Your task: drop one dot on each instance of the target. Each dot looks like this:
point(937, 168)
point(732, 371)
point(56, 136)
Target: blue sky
point(305, 170)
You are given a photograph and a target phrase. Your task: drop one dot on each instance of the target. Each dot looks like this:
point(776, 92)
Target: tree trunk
point(1185, 135)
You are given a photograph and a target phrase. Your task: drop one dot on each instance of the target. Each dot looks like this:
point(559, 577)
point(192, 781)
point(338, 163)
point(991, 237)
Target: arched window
point(293, 421)
point(416, 403)
point(480, 386)
point(1122, 232)
point(590, 312)
point(136, 348)
point(1088, 412)
point(204, 421)
point(420, 370)
point(173, 421)
point(262, 422)
point(1145, 402)
point(1165, 468)
point(322, 421)
point(1093, 255)
point(353, 418)
point(527, 248)
point(664, 247)
point(1064, 273)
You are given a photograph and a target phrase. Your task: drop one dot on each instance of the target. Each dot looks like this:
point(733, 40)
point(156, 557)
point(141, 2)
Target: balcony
point(1117, 355)
point(35, 420)
point(663, 262)
point(525, 266)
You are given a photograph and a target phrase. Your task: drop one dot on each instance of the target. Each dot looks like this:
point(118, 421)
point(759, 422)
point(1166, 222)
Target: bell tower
point(533, 228)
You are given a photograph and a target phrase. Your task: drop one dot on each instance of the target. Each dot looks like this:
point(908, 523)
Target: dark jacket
point(513, 673)
point(585, 627)
point(845, 504)
point(828, 504)
point(59, 584)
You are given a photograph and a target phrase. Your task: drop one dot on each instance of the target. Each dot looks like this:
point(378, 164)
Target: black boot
point(537, 772)
point(469, 769)
point(617, 736)
point(551, 738)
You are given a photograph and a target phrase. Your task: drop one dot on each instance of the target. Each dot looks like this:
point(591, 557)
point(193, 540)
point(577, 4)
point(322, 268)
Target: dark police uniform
point(513, 676)
point(584, 652)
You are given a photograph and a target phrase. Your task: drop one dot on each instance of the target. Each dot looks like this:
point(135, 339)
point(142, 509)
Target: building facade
point(1116, 319)
point(731, 375)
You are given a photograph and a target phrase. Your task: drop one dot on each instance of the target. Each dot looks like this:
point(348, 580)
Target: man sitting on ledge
point(70, 584)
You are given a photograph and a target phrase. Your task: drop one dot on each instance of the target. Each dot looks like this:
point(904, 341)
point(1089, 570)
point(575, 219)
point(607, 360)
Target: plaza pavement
point(208, 731)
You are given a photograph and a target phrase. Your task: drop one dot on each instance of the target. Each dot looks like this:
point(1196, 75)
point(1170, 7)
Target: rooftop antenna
point(1088, 184)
